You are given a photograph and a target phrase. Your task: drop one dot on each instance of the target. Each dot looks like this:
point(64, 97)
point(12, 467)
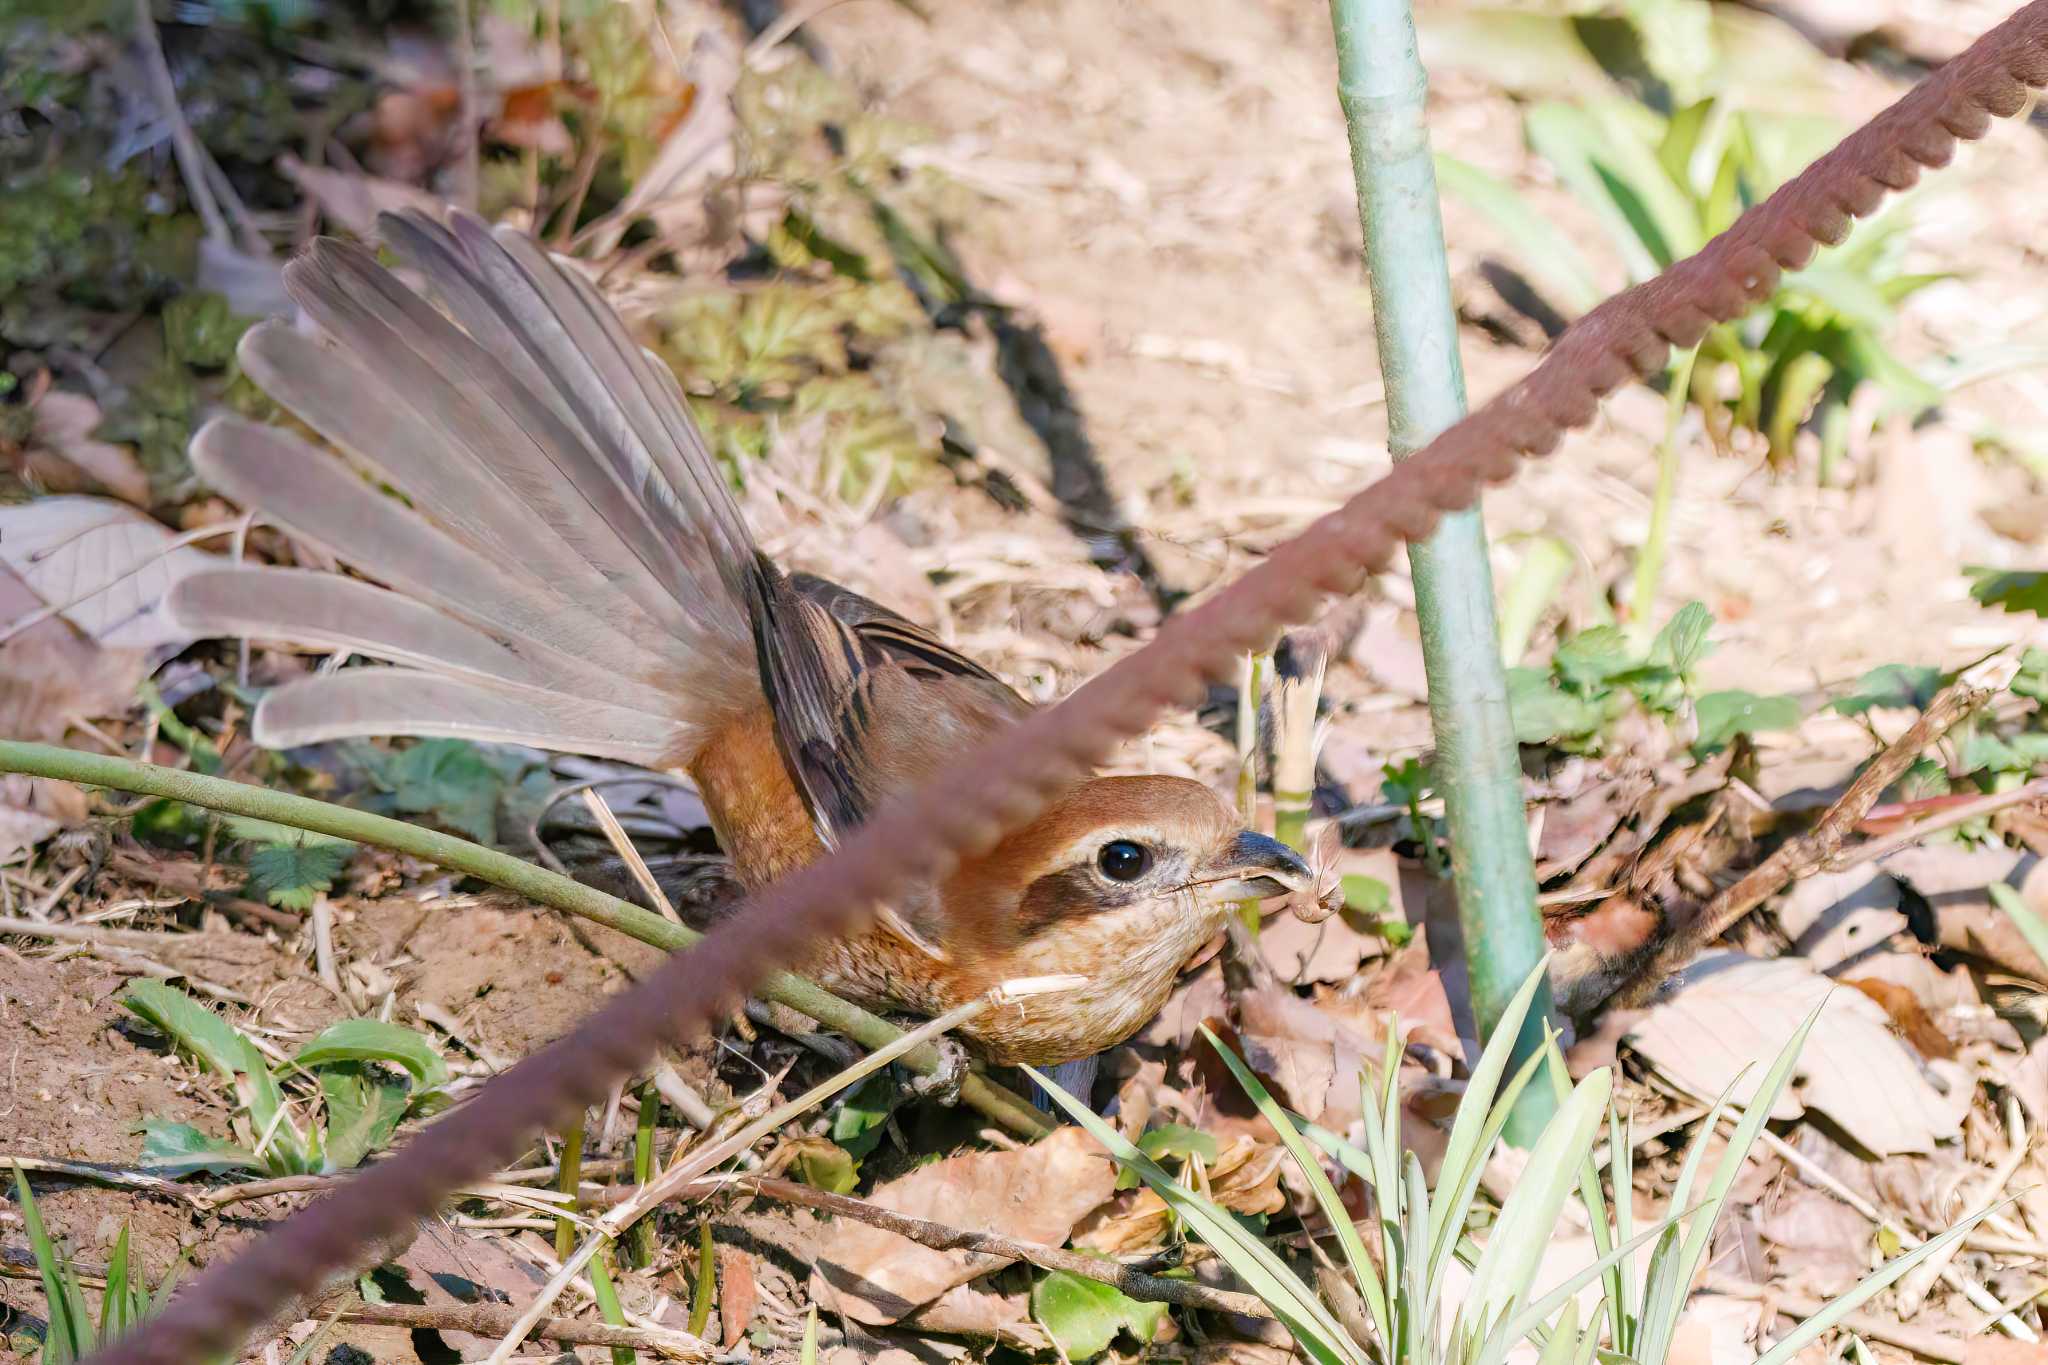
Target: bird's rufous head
point(1117, 842)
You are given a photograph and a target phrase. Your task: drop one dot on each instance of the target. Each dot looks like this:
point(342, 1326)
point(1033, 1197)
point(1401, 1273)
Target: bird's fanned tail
point(563, 559)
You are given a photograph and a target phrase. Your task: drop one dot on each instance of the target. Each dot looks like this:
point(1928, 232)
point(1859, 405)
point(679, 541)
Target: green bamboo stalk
point(1381, 85)
point(500, 869)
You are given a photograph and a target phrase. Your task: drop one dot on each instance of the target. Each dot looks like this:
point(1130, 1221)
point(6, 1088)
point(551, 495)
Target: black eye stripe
point(1123, 860)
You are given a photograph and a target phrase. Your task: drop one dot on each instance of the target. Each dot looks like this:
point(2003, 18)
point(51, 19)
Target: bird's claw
point(943, 1085)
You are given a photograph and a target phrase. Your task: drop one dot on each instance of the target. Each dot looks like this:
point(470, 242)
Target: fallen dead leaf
point(1823, 1245)
point(352, 201)
point(1990, 1349)
point(1729, 1012)
point(103, 564)
point(32, 809)
point(51, 674)
point(1244, 1178)
point(63, 454)
point(975, 1310)
point(1908, 1016)
point(1034, 1194)
point(1716, 1330)
point(1834, 916)
point(736, 1294)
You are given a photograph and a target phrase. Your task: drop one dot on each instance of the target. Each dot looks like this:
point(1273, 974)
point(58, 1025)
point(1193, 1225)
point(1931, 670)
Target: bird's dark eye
point(1121, 860)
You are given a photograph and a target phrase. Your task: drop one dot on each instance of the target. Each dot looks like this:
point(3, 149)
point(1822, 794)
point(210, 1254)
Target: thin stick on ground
point(942, 1237)
point(489, 1320)
point(500, 869)
point(1810, 852)
point(693, 1164)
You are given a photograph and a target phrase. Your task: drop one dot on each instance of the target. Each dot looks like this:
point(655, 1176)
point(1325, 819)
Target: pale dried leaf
point(106, 562)
point(1034, 1194)
point(1833, 916)
point(32, 809)
point(1822, 1245)
point(351, 200)
point(51, 675)
point(63, 424)
point(1730, 1014)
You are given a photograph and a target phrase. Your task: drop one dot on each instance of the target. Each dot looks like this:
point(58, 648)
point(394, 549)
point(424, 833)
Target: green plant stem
point(500, 869)
point(1642, 620)
point(707, 1278)
point(641, 1244)
point(1381, 85)
point(568, 1179)
point(606, 1293)
point(1257, 667)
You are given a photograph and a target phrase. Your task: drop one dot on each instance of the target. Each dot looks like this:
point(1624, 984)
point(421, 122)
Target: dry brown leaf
point(1823, 1245)
point(1834, 916)
point(1908, 1016)
point(1309, 1057)
point(1244, 1178)
point(51, 674)
point(32, 809)
point(1716, 1330)
point(737, 1295)
point(1953, 879)
point(451, 1269)
point(1321, 953)
point(1034, 1194)
point(352, 201)
point(61, 427)
point(975, 1310)
point(1988, 1348)
point(1729, 1014)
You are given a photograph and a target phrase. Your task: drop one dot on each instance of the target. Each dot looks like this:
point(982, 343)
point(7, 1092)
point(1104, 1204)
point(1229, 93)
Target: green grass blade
point(1463, 1151)
point(606, 1294)
point(1293, 1303)
point(1514, 1248)
point(1363, 1273)
point(1809, 1331)
point(69, 1336)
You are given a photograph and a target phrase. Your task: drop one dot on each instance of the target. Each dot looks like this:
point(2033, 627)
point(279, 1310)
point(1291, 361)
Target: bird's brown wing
point(865, 702)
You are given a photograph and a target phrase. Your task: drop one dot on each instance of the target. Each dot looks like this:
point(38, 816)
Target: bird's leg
point(1077, 1078)
point(942, 1085)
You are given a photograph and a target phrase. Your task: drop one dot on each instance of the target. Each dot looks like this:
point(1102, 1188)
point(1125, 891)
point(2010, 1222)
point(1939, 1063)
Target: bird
point(565, 566)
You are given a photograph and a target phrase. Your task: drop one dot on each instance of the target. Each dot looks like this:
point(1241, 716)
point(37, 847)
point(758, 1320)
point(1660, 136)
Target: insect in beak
point(1254, 867)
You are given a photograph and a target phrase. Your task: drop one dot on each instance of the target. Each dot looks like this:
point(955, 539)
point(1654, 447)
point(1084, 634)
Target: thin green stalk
point(606, 1293)
point(640, 1245)
point(1249, 695)
point(568, 1179)
point(1642, 620)
point(500, 869)
point(1381, 85)
point(707, 1278)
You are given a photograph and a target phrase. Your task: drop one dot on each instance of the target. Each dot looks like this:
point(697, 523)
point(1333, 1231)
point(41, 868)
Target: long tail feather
point(393, 701)
point(567, 563)
point(318, 499)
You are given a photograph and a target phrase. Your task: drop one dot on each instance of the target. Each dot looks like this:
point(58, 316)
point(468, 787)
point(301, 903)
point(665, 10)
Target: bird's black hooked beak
point(1254, 867)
